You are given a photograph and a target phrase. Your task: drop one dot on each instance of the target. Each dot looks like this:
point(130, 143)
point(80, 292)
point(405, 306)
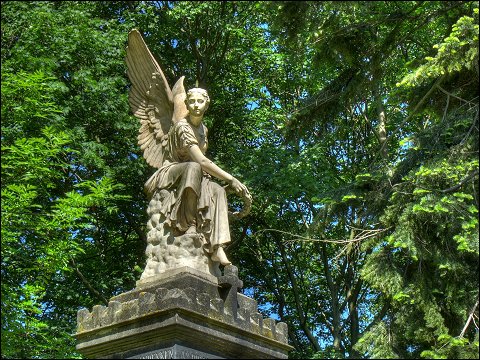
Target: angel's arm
point(214, 170)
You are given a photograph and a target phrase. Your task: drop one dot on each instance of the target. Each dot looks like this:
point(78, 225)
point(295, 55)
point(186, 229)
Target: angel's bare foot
point(220, 256)
point(192, 229)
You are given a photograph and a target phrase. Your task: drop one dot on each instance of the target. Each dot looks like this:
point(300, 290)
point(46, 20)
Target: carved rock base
point(180, 314)
point(167, 250)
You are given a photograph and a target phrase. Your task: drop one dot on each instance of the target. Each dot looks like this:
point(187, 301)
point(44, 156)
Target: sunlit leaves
point(294, 117)
point(60, 75)
point(458, 50)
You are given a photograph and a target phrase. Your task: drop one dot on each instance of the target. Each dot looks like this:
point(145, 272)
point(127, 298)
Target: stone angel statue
point(188, 211)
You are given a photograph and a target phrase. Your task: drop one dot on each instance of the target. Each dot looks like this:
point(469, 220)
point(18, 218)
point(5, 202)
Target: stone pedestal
point(181, 314)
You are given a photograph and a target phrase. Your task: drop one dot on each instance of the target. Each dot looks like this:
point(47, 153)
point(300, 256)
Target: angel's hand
point(239, 188)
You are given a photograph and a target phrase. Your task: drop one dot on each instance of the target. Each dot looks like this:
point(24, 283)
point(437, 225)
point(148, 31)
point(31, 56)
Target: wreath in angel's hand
point(247, 204)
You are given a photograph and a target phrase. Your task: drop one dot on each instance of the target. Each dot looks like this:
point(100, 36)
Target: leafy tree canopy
point(354, 124)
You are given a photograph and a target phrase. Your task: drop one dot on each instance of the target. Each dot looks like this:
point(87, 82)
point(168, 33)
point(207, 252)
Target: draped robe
point(179, 173)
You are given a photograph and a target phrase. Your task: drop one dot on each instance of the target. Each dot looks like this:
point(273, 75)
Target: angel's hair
point(201, 91)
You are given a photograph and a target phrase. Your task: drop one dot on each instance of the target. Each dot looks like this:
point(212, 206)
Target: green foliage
point(364, 247)
point(458, 51)
point(33, 248)
point(427, 265)
point(51, 195)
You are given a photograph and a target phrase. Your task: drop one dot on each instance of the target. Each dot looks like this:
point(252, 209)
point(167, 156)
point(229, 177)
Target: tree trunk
point(300, 310)
point(336, 321)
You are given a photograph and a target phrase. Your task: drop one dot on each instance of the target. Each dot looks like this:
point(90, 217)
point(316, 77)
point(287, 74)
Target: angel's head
point(197, 101)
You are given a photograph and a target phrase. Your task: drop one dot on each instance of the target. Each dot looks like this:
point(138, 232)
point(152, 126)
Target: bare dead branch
point(364, 234)
point(470, 319)
point(414, 111)
point(454, 96)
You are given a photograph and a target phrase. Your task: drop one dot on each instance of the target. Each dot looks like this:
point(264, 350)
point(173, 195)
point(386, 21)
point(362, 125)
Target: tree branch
point(459, 185)
point(434, 86)
point(87, 283)
point(470, 318)
point(454, 96)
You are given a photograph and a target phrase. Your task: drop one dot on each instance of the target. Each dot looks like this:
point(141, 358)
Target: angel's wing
point(179, 95)
point(150, 99)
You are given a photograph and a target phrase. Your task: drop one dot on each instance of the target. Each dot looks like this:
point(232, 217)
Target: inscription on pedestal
point(175, 352)
point(159, 354)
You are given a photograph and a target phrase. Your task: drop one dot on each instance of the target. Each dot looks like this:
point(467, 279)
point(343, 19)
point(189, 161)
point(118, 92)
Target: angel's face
point(196, 104)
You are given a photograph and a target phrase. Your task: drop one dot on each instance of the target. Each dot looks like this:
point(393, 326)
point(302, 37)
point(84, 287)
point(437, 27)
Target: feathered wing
point(150, 99)
point(179, 95)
